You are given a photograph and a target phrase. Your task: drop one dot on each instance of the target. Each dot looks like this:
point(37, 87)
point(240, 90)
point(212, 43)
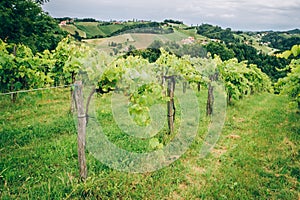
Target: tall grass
point(257, 156)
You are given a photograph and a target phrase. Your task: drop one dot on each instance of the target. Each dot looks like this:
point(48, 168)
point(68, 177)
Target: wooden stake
point(184, 85)
point(210, 97)
point(199, 87)
point(170, 104)
point(81, 129)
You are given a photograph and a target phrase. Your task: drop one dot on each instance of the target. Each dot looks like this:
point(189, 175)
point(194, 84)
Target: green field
point(256, 157)
point(72, 29)
point(91, 29)
point(109, 29)
point(88, 30)
point(139, 40)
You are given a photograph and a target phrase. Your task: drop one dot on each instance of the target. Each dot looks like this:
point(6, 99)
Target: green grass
point(72, 29)
point(139, 40)
point(109, 29)
point(176, 36)
point(256, 157)
point(93, 28)
point(90, 28)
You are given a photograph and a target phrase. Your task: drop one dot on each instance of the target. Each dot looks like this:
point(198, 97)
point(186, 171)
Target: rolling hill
point(142, 33)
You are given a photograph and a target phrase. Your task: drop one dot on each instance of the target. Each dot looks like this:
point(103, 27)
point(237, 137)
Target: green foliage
point(135, 77)
point(151, 54)
point(281, 41)
point(266, 63)
point(242, 79)
point(220, 50)
point(172, 21)
point(290, 84)
point(108, 29)
point(216, 32)
point(239, 78)
point(147, 27)
point(156, 44)
point(41, 1)
point(21, 69)
point(234, 48)
point(69, 57)
point(23, 21)
point(194, 49)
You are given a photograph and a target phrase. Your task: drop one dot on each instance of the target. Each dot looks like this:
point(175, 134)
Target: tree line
point(230, 47)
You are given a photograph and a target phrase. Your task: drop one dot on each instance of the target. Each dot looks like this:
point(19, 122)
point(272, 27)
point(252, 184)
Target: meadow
point(256, 157)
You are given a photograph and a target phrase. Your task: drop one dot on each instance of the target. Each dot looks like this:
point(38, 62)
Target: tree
point(216, 32)
point(220, 49)
point(24, 21)
point(156, 44)
point(266, 63)
point(41, 1)
point(131, 48)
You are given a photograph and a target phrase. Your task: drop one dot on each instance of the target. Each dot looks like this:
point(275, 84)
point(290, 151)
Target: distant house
point(216, 40)
point(63, 23)
point(204, 42)
point(188, 40)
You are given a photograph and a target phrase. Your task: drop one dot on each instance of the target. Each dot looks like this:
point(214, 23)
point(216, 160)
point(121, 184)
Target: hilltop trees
point(228, 46)
point(216, 32)
point(24, 21)
point(221, 50)
point(280, 40)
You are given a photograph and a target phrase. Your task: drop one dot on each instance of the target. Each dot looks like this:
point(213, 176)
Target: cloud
point(238, 14)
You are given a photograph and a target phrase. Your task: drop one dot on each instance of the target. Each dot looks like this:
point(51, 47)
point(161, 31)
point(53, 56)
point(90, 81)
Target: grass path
point(257, 156)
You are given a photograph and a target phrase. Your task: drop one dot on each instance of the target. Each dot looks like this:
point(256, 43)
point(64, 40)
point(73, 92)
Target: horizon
point(239, 15)
point(194, 25)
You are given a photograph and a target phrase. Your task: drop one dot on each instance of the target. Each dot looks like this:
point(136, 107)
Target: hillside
point(265, 42)
point(95, 29)
point(138, 40)
point(91, 29)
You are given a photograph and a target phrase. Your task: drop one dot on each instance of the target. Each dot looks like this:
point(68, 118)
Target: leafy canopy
point(24, 21)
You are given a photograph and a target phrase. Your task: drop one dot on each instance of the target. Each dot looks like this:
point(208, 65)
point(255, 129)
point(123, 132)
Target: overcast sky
point(236, 14)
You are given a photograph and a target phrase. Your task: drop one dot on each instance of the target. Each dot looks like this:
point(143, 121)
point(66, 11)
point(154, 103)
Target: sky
point(246, 15)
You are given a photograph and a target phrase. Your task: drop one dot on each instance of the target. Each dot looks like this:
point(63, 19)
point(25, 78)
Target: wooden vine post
point(171, 104)
point(73, 104)
point(184, 85)
point(210, 97)
point(199, 86)
point(81, 129)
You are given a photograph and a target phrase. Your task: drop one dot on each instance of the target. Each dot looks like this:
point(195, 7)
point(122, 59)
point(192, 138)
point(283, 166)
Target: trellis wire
point(37, 89)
